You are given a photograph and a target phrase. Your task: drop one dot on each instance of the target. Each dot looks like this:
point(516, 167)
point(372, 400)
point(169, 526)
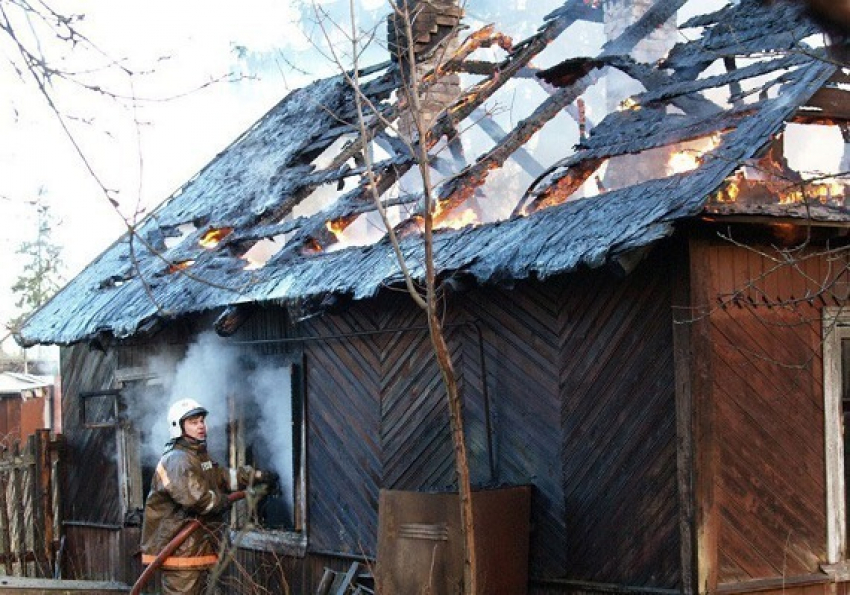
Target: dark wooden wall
point(768, 428)
point(579, 376)
point(90, 492)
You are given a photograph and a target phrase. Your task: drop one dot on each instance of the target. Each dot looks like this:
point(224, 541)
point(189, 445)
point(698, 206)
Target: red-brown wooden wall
point(767, 394)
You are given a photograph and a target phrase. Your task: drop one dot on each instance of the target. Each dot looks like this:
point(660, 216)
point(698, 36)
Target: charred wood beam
point(763, 90)
point(497, 133)
point(657, 14)
point(559, 189)
point(332, 214)
point(485, 37)
point(233, 317)
point(392, 144)
point(689, 87)
point(485, 68)
point(741, 30)
point(456, 191)
point(734, 85)
point(444, 125)
point(653, 78)
point(578, 114)
point(580, 11)
point(351, 149)
point(347, 210)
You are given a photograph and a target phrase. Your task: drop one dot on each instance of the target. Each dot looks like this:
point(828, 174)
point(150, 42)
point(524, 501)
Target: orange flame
point(691, 158)
point(459, 220)
point(212, 238)
point(312, 247)
point(179, 266)
point(629, 103)
point(762, 187)
point(337, 228)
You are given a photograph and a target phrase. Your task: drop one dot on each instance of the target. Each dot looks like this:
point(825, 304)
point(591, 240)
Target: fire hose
point(182, 535)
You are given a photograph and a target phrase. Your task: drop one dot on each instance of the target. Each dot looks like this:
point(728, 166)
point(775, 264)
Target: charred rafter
point(457, 190)
point(559, 189)
point(444, 125)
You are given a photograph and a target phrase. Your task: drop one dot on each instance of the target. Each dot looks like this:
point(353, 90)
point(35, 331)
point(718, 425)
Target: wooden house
point(661, 354)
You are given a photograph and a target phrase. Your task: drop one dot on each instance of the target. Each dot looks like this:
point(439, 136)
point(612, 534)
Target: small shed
point(26, 405)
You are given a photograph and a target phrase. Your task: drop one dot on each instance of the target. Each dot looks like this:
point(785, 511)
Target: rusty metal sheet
point(420, 541)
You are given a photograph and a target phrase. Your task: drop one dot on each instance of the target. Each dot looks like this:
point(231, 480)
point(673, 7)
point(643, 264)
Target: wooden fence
point(29, 507)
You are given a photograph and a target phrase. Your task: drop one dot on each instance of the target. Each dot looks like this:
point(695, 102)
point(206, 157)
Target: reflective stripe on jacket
point(187, 484)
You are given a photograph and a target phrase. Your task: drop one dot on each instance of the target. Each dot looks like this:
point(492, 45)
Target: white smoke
point(271, 393)
point(214, 372)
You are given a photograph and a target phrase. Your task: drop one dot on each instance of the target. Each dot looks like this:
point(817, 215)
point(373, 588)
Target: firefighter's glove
point(220, 505)
point(270, 479)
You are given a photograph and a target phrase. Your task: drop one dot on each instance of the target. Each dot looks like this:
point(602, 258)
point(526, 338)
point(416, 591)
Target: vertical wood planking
point(343, 434)
point(5, 529)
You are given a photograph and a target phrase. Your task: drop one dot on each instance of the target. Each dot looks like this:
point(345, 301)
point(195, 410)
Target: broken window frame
point(131, 474)
point(836, 328)
point(290, 541)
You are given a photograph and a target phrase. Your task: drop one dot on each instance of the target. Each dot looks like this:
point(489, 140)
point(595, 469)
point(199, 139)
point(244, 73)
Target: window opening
point(269, 436)
point(99, 409)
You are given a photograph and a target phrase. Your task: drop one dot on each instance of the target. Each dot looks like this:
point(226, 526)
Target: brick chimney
point(435, 25)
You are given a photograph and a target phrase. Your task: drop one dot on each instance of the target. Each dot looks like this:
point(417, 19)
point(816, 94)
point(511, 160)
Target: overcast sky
point(144, 150)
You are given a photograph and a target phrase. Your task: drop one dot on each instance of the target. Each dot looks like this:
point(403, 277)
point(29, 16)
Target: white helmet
point(181, 410)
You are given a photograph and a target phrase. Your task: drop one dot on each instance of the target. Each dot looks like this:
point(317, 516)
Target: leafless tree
point(416, 136)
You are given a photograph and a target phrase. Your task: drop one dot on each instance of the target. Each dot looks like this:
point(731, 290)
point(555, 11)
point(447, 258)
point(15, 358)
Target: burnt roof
point(250, 189)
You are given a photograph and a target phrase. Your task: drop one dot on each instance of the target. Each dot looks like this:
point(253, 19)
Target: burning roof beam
point(444, 125)
point(376, 91)
point(557, 190)
point(486, 68)
point(458, 190)
point(485, 37)
point(455, 192)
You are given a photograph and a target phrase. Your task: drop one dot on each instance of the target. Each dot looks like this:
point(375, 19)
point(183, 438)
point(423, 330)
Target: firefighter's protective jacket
point(187, 484)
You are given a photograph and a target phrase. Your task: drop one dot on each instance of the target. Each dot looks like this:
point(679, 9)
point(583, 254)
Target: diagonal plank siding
point(415, 439)
point(768, 395)
point(522, 352)
point(343, 458)
point(580, 380)
point(619, 431)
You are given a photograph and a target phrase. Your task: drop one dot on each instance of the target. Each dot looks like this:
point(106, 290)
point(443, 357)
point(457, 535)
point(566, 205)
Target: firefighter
point(188, 485)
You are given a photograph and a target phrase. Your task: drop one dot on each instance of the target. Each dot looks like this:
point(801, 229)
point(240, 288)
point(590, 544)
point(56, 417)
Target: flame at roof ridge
point(252, 186)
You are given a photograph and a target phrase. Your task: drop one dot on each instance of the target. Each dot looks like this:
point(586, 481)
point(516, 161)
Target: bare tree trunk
point(441, 350)
point(429, 302)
